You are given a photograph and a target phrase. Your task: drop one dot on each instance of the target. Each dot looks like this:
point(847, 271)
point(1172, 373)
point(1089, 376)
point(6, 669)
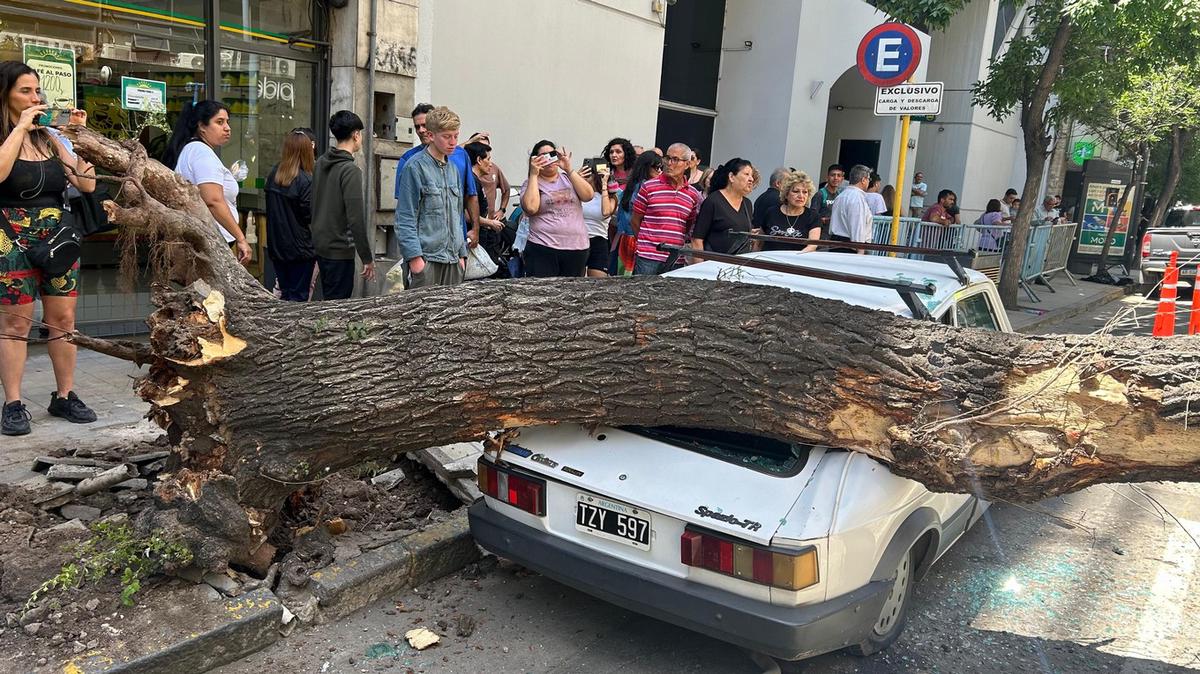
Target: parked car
point(787, 549)
point(1180, 233)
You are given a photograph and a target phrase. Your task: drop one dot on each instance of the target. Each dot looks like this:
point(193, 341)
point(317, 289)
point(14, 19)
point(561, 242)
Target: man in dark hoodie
point(339, 224)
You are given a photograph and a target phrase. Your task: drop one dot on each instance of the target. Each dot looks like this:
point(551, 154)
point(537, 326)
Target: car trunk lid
point(744, 492)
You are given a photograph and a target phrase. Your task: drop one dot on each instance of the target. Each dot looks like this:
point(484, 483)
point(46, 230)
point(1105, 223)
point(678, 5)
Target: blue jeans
point(644, 267)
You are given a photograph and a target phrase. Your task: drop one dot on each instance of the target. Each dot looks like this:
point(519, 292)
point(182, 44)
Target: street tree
point(1069, 53)
point(262, 397)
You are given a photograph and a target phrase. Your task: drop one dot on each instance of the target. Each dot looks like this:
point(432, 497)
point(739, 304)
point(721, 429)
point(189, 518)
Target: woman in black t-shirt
point(727, 210)
point(793, 217)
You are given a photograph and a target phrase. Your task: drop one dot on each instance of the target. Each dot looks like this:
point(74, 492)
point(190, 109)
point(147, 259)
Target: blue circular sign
point(889, 54)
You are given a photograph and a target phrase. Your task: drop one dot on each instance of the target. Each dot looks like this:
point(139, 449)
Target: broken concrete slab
point(224, 583)
point(147, 457)
point(135, 483)
point(42, 464)
point(80, 512)
point(73, 525)
point(72, 473)
point(389, 479)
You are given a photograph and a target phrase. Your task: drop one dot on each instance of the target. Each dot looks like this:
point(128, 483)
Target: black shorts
point(598, 253)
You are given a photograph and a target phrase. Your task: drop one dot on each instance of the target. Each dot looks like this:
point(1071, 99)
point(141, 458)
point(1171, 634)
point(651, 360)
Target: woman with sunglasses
point(289, 216)
point(648, 165)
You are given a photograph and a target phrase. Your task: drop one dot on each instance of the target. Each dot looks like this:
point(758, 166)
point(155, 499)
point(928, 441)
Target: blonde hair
point(790, 180)
point(442, 119)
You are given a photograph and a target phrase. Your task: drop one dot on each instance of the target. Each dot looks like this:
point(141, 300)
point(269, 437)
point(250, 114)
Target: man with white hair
point(1047, 212)
point(664, 211)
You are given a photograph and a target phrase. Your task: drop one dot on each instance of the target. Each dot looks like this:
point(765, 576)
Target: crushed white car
point(790, 550)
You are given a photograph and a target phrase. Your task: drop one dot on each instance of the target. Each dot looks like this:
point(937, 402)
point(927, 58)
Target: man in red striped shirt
point(664, 211)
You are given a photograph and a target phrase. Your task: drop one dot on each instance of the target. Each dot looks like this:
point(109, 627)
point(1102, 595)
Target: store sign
point(1099, 210)
point(1082, 151)
point(143, 95)
point(274, 90)
point(909, 99)
point(56, 75)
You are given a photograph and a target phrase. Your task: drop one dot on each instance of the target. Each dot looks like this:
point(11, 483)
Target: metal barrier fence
point(1045, 255)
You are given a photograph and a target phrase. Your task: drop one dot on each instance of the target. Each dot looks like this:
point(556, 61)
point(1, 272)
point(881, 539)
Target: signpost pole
point(898, 200)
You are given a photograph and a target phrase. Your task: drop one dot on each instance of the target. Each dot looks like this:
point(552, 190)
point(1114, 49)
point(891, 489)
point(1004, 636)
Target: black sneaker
point(16, 419)
point(70, 408)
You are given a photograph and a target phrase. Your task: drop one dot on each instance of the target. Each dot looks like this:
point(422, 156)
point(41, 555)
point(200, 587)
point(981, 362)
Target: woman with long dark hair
point(35, 169)
point(289, 216)
point(727, 210)
point(624, 242)
point(621, 156)
point(202, 129)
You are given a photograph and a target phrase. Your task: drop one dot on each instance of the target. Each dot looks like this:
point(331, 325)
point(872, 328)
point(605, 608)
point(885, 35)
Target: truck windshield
point(1182, 218)
point(752, 451)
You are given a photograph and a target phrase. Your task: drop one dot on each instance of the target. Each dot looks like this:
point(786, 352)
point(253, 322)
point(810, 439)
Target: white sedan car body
point(789, 550)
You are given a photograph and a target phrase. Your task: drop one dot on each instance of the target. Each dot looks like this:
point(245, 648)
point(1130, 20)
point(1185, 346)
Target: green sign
point(924, 118)
point(143, 95)
point(1083, 151)
point(56, 76)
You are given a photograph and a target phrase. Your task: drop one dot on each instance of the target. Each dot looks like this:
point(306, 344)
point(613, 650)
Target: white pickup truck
point(787, 549)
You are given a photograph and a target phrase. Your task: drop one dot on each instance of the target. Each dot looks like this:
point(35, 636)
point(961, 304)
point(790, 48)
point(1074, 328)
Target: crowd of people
point(603, 216)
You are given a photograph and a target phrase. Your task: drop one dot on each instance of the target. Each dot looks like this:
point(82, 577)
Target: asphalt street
point(1102, 580)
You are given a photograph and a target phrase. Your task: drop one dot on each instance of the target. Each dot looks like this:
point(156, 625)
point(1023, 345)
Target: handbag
point(479, 264)
point(54, 255)
point(88, 216)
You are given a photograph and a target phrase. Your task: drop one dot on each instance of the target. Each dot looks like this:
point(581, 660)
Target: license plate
point(614, 521)
point(1187, 271)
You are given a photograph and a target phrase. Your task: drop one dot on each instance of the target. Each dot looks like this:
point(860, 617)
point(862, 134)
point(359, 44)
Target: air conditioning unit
point(116, 52)
point(188, 61)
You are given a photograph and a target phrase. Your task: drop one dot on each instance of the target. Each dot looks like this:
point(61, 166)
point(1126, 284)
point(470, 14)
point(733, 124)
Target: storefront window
point(278, 21)
point(268, 96)
point(103, 56)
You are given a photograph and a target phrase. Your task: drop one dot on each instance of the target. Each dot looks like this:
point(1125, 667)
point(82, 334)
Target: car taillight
point(783, 569)
point(526, 493)
point(1146, 247)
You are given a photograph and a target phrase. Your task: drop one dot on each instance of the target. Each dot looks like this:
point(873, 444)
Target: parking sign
point(889, 54)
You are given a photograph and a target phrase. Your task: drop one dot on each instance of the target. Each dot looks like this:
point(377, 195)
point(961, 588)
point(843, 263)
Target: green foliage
point(115, 549)
point(1111, 44)
point(1188, 190)
point(924, 14)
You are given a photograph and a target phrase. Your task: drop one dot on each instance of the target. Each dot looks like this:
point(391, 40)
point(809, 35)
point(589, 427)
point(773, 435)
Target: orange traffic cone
point(1194, 324)
point(1164, 318)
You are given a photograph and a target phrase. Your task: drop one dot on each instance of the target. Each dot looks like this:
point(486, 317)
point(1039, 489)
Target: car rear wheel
point(890, 622)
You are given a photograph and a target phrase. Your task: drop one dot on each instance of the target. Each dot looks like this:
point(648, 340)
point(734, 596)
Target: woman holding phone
point(552, 198)
point(35, 169)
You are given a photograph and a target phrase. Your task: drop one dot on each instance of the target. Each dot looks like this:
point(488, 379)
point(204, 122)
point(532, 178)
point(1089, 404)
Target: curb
point(342, 589)
point(1066, 313)
point(253, 624)
point(253, 620)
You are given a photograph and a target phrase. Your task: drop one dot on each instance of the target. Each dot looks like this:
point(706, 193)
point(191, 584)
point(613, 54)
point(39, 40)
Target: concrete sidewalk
point(1066, 302)
point(104, 383)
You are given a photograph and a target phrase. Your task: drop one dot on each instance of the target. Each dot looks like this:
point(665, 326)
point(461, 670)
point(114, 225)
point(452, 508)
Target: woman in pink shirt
point(553, 198)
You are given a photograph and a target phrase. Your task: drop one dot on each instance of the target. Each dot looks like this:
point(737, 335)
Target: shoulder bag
point(54, 255)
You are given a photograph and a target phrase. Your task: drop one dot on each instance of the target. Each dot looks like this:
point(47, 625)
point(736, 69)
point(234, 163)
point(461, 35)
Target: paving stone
point(80, 512)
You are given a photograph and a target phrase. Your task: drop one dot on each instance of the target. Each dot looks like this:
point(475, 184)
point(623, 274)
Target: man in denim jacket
point(429, 210)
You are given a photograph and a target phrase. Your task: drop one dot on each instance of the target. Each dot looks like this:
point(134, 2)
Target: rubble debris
point(80, 512)
point(336, 526)
point(389, 479)
point(42, 464)
point(147, 457)
point(70, 526)
point(112, 476)
point(136, 483)
point(421, 638)
point(223, 583)
point(71, 473)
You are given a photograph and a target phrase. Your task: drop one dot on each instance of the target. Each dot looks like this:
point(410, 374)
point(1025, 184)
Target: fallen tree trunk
point(262, 397)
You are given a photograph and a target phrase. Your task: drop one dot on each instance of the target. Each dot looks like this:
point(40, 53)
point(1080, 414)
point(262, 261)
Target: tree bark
point(263, 397)
point(1033, 126)
point(1110, 231)
point(1180, 138)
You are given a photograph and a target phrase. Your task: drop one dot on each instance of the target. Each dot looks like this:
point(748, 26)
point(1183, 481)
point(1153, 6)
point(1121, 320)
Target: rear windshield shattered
point(752, 451)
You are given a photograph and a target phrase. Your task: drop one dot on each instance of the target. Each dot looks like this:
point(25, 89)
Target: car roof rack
point(949, 257)
point(908, 291)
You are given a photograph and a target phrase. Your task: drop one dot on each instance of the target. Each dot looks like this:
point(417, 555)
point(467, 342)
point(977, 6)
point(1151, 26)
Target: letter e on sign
point(889, 54)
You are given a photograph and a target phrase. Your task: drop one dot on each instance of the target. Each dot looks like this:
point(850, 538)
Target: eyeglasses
point(675, 160)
